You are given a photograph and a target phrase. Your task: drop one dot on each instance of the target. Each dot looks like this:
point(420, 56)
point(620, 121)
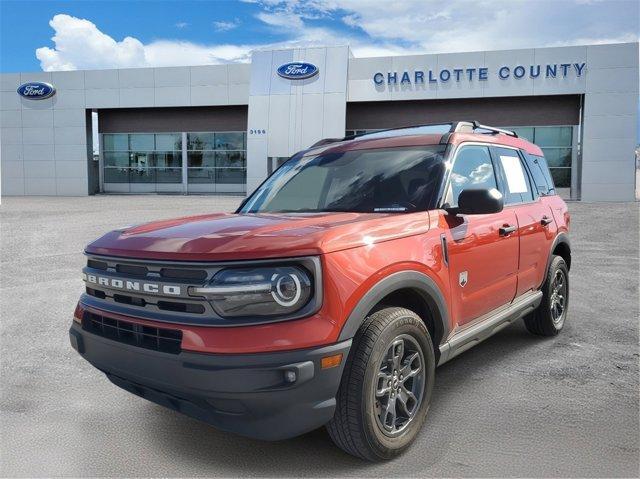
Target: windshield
point(385, 180)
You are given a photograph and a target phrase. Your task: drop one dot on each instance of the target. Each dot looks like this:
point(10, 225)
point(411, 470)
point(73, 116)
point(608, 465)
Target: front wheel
point(548, 319)
point(386, 387)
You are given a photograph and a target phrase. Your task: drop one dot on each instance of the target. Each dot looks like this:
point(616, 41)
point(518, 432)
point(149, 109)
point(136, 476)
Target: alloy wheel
point(558, 299)
point(399, 387)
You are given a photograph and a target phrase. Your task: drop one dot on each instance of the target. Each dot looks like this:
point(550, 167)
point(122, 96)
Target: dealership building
point(224, 128)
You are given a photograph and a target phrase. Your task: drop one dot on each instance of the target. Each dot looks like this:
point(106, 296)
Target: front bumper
point(245, 394)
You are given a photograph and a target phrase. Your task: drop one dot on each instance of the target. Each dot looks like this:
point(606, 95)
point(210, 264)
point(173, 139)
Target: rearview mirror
point(479, 202)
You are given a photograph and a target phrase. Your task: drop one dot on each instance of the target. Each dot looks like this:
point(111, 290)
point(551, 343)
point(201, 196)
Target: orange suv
point(333, 292)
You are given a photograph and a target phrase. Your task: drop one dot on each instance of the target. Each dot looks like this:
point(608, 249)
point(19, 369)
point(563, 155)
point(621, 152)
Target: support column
point(185, 171)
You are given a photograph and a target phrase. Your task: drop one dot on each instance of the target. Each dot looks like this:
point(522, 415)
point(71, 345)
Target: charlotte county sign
point(297, 70)
point(562, 70)
point(36, 90)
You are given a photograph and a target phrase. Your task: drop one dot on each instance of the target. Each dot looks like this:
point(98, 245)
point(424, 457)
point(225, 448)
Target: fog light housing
point(290, 376)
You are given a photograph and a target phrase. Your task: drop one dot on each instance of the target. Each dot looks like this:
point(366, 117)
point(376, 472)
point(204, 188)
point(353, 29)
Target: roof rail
point(456, 127)
point(326, 141)
point(493, 129)
point(471, 127)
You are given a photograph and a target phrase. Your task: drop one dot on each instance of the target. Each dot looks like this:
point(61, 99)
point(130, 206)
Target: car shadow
point(213, 452)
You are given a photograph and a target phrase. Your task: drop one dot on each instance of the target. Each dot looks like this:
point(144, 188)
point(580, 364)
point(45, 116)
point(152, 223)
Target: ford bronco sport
point(333, 292)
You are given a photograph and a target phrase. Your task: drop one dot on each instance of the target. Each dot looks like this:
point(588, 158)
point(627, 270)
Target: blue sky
point(87, 34)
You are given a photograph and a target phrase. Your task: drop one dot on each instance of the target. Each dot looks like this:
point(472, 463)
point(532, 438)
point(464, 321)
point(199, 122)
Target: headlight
point(260, 291)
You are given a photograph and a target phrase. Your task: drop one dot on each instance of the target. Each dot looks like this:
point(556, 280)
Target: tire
point(545, 320)
point(360, 425)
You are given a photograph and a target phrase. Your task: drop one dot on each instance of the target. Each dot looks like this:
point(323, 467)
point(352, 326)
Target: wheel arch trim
point(414, 280)
point(561, 238)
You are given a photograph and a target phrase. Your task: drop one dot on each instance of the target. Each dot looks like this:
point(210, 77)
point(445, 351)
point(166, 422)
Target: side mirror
point(479, 202)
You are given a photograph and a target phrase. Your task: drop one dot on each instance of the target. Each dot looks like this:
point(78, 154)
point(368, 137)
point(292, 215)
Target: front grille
point(148, 337)
point(174, 306)
point(140, 271)
point(129, 293)
point(174, 273)
point(92, 263)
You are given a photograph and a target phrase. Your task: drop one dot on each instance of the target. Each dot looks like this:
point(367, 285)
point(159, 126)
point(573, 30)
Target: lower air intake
point(157, 339)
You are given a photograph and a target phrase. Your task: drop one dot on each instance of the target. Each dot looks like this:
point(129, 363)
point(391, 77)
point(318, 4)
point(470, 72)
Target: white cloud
point(79, 44)
point(225, 26)
point(370, 27)
point(441, 26)
point(182, 25)
point(282, 19)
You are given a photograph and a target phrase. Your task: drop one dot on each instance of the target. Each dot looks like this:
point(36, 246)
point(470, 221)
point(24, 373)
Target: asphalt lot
point(515, 405)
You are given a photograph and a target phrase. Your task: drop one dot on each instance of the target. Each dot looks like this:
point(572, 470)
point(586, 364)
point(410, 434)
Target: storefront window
point(142, 157)
point(217, 158)
point(213, 158)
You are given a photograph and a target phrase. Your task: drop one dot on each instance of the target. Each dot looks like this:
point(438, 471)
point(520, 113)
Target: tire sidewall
point(386, 446)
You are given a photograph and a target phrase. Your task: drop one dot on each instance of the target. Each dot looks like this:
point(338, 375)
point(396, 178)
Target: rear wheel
point(386, 387)
point(548, 319)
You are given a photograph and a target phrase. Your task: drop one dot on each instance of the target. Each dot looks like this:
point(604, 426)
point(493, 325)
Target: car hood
point(220, 237)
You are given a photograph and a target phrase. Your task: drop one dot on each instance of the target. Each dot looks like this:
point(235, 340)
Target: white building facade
point(224, 128)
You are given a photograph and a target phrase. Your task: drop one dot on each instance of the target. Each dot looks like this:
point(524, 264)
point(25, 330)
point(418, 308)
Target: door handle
point(545, 220)
point(506, 230)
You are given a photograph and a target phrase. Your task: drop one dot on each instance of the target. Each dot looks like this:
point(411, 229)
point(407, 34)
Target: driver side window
point(472, 169)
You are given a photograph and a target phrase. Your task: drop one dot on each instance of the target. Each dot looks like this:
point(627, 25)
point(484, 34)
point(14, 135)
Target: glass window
point(542, 161)
point(169, 141)
point(237, 176)
point(229, 141)
point(200, 141)
point(115, 142)
point(553, 136)
point(202, 175)
point(142, 175)
point(472, 169)
point(561, 177)
point(116, 175)
point(157, 157)
point(229, 159)
point(169, 175)
point(140, 159)
point(141, 141)
point(385, 180)
point(197, 159)
point(525, 132)
point(168, 158)
point(558, 156)
point(116, 158)
point(540, 173)
point(516, 180)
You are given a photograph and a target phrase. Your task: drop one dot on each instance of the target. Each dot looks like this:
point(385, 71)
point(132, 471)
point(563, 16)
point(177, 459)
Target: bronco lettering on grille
point(140, 286)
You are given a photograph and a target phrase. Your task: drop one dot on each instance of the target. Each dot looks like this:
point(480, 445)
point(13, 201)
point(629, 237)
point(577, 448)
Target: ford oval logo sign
point(297, 70)
point(36, 90)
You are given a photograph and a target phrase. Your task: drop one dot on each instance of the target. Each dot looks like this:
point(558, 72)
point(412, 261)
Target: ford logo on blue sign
point(297, 70)
point(36, 90)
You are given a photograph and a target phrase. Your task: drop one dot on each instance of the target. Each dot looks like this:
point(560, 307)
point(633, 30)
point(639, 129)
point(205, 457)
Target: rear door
point(483, 252)
point(536, 227)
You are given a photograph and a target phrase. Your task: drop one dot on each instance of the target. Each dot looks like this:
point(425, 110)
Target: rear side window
point(517, 188)
point(541, 174)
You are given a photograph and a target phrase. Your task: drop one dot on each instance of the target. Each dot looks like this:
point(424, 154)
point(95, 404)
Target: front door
point(483, 249)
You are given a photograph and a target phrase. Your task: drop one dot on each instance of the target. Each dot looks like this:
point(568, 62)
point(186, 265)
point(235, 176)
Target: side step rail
point(493, 322)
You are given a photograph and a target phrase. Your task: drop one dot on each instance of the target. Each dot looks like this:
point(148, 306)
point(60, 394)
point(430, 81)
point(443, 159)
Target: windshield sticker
point(389, 208)
point(515, 175)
